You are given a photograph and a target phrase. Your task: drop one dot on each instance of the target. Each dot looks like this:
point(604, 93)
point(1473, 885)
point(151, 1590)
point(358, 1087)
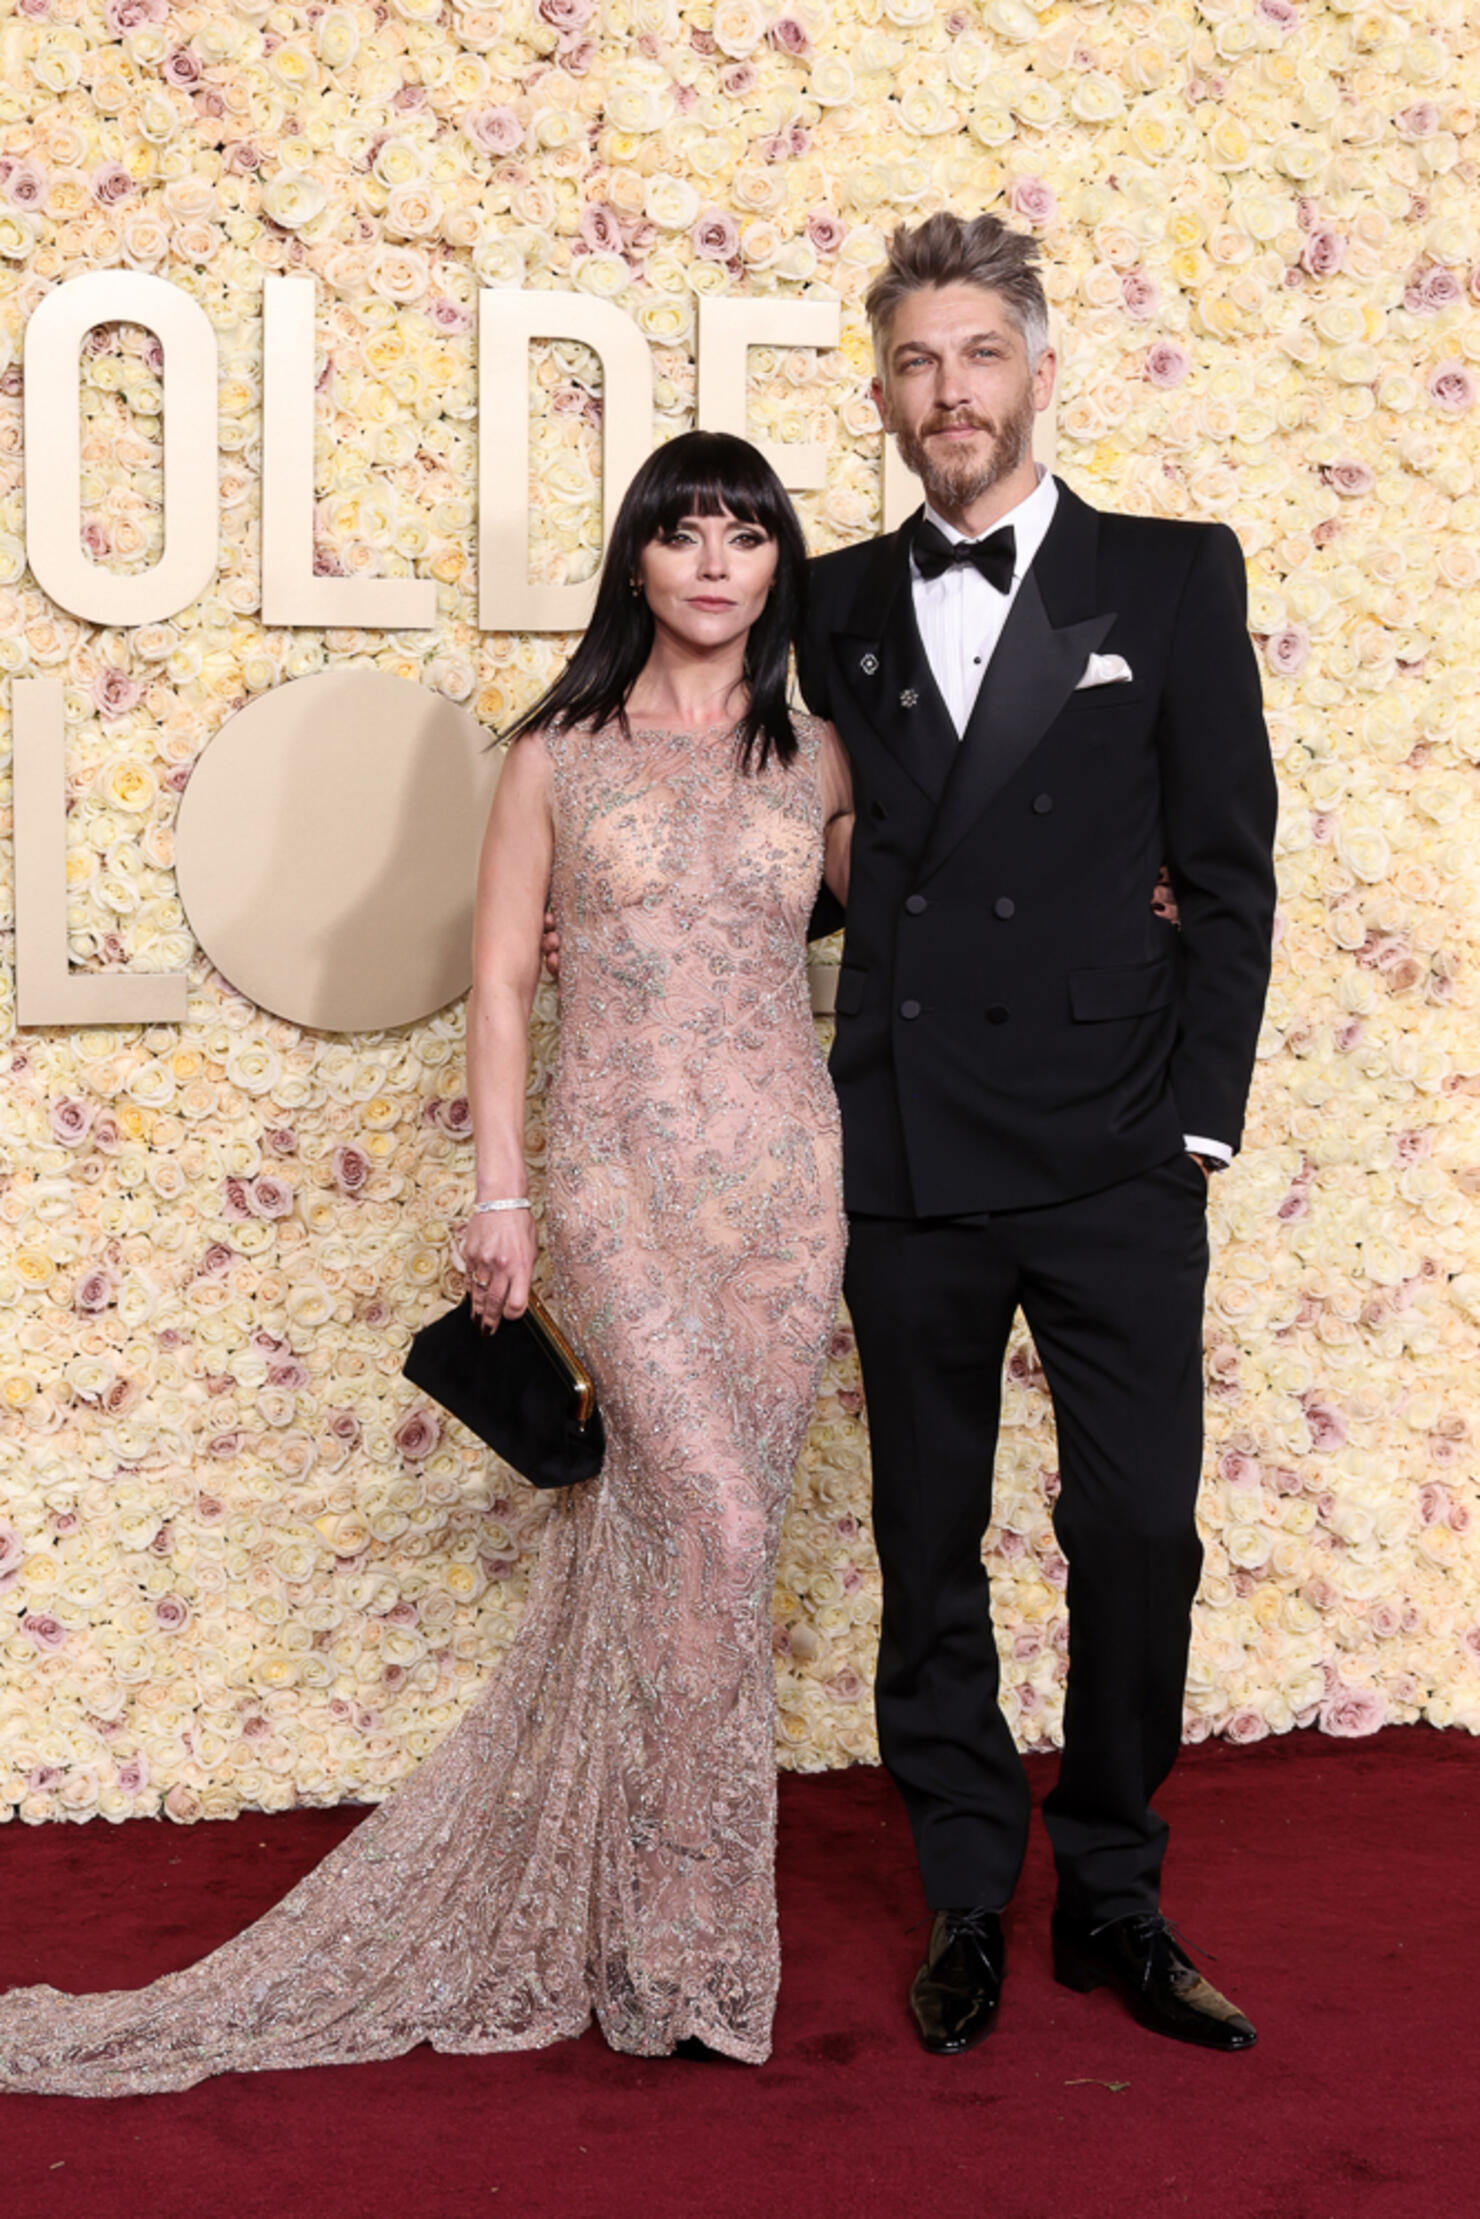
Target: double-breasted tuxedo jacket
point(1023, 1047)
point(1014, 1023)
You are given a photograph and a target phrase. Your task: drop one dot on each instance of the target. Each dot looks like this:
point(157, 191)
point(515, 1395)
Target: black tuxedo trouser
point(1111, 1285)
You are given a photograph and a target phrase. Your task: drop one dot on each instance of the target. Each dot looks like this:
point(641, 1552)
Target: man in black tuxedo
point(1043, 704)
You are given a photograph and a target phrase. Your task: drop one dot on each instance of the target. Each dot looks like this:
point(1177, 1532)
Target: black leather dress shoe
point(954, 1995)
point(1141, 1957)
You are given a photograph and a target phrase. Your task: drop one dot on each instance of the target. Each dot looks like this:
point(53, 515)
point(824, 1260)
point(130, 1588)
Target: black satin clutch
point(523, 1390)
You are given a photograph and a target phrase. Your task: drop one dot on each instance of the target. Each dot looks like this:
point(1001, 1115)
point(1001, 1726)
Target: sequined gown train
point(597, 1834)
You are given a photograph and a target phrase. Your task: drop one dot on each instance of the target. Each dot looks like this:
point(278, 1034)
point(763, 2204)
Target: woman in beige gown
point(597, 1835)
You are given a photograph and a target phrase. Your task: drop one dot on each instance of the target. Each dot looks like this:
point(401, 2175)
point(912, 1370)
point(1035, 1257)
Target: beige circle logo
point(327, 849)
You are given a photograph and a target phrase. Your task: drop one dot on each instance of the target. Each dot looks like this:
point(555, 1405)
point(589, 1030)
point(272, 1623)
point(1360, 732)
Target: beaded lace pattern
point(597, 1834)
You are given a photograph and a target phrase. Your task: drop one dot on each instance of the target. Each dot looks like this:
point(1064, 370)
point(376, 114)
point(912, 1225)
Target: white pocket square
point(1105, 670)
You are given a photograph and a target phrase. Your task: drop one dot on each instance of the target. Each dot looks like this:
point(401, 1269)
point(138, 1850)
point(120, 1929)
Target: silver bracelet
point(515, 1202)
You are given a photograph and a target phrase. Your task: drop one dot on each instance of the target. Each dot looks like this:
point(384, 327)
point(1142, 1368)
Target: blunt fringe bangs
point(700, 473)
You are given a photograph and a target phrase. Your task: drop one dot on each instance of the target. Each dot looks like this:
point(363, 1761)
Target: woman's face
point(706, 581)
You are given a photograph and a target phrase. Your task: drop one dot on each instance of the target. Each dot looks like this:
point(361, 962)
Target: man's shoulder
point(841, 568)
point(1163, 544)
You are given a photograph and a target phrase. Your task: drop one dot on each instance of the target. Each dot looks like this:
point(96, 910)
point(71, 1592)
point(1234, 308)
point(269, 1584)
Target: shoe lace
point(1145, 1928)
point(978, 1924)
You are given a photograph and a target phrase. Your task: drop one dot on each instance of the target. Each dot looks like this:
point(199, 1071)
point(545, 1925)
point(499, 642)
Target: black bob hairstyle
point(700, 473)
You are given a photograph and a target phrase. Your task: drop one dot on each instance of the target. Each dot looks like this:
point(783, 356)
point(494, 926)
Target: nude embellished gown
point(597, 1835)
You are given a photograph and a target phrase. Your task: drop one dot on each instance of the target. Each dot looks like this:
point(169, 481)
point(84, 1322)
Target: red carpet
point(1334, 1880)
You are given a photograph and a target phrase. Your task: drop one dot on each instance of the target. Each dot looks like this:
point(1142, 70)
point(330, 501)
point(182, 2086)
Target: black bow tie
point(995, 557)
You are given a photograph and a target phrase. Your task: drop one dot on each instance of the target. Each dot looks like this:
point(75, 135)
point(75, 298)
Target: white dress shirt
point(961, 617)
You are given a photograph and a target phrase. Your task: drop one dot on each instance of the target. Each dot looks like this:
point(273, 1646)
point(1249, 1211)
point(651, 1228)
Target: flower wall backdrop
point(239, 1563)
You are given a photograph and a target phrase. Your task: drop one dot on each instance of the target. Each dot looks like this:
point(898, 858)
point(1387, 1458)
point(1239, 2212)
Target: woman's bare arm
point(513, 885)
point(837, 809)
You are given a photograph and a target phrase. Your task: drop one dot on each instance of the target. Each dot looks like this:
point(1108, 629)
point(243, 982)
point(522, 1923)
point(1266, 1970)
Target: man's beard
point(955, 481)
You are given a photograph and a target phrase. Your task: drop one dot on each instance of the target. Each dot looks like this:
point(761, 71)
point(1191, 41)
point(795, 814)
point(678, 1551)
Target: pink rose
point(122, 16)
point(217, 1259)
point(1420, 121)
point(417, 1434)
point(448, 315)
point(566, 16)
point(1140, 294)
point(171, 1614)
point(845, 1686)
point(1350, 479)
point(408, 96)
point(1451, 388)
point(1280, 13)
point(351, 1169)
point(1327, 1428)
point(181, 69)
point(282, 1140)
point(455, 1117)
point(1287, 652)
point(1245, 1726)
point(25, 186)
point(825, 231)
point(1031, 199)
point(1167, 364)
point(1431, 290)
point(494, 131)
point(48, 1633)
point(132, 1775)
point(790, 37)
point(269, 1197)
point(114, 692)
point(111, 184)
point(70, 1121)
point(11, 1550)
point(1238, 1469)
point(1324, 252)
point(715, 237)
point(291, 1373)
point(600, 229)
point(182, 1804)
point(736, 79)
point(1353, 1711)
point(223, 1446)
point(37, 10)
point(94, 1291)
point(344, 1426)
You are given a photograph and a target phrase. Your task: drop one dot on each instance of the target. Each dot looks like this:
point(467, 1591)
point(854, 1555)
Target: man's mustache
point(956, 423)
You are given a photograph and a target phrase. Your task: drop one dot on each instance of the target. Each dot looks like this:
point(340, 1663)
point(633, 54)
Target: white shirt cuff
point(1219, 1150)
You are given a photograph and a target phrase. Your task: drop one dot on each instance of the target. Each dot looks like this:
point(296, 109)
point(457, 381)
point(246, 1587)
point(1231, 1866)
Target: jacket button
point(1005, 907)
point(998, 1014)
point(877, 811)
point(916, 904)
point(909, 1009)
point(1042, 803)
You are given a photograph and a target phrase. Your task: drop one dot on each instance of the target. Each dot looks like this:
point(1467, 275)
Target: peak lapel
point(1036, 666)
point(883, 660)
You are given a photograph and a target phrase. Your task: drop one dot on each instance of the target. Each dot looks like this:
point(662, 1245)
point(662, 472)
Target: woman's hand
point(499, 1249)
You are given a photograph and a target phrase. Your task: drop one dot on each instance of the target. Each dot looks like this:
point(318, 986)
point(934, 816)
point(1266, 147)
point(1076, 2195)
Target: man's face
point(956, 391)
